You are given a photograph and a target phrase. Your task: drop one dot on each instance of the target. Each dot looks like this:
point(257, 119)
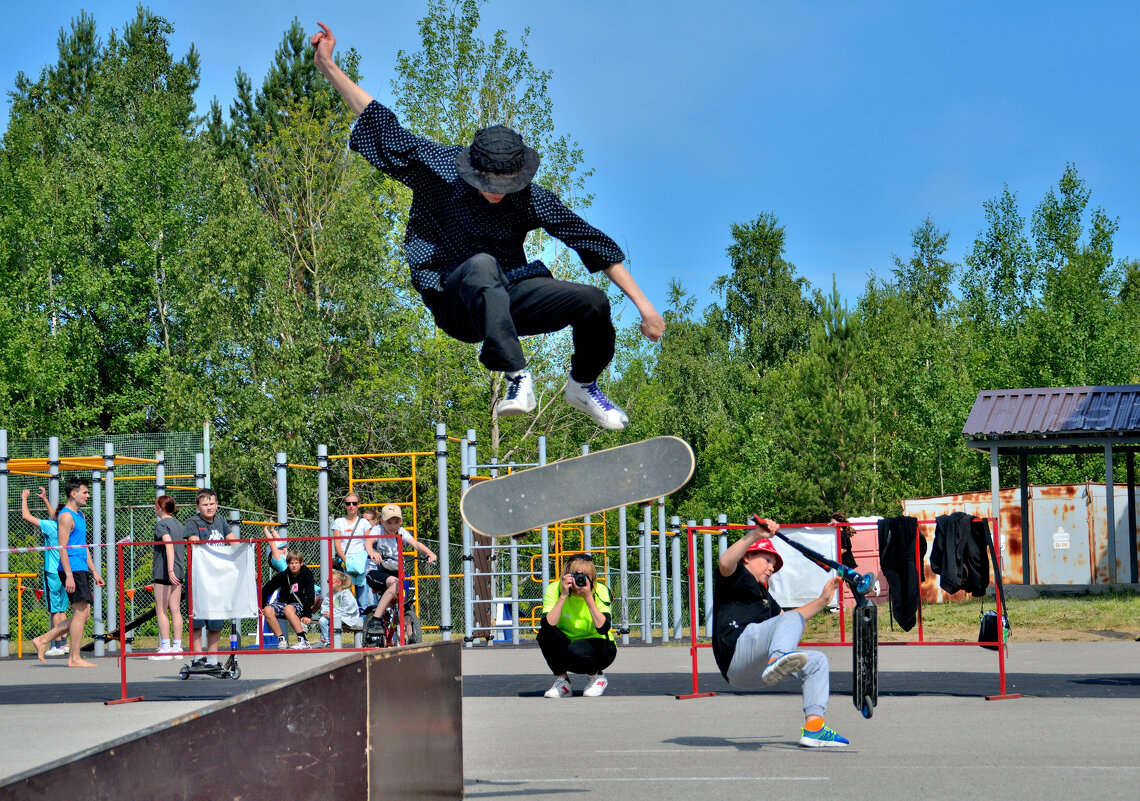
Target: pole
point(1110, 512)
point(587, 527)
point(4, 543)
point(663, 564)
point(707, 522)
point(624, 567)
point(544, 534)
point(722, 538)
point(466, 451)
point(206, 453)
point(235, 623)
point(98, 622)
point(200, 471)
point(1130, 471)
point(114, 557)
point(282, 496)
point(444, 534)
point(678, 608)
point(323, 531)
point(647, 576)
point(53, 472)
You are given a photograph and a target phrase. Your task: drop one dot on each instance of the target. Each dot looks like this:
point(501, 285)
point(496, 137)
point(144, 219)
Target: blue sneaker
point(590, 400)
point(781, 667)
point(824, 738)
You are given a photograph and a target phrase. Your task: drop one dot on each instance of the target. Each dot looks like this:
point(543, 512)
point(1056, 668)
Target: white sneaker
point(519, 397)
point(301, 645)
point(161, 655)
point(560, 689)
point(596, 686)
point(590, 400)
point(55, 650)
point(780, 668)
point(282, 643)
point(176, 652)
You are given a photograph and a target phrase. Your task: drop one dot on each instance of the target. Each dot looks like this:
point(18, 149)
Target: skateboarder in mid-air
point(471, 211)
point(755, 642)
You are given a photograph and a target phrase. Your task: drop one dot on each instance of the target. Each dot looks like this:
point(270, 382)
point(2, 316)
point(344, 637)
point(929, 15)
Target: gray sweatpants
point(776, 636)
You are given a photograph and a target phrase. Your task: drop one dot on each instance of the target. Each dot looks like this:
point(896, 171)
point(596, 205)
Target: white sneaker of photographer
point(596, 686)
point(590, 400)
point(519, 396)
point(560, 689)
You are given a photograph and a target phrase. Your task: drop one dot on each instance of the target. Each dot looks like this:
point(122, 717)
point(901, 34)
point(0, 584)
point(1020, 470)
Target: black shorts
point(84, 587)
point(377, 577)
point(209, 625)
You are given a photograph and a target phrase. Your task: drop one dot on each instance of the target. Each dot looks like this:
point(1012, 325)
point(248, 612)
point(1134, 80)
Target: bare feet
point(81, 663)
point(41, 649)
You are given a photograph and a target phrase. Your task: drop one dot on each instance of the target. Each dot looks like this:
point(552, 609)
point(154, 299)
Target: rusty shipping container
point(1067, 532)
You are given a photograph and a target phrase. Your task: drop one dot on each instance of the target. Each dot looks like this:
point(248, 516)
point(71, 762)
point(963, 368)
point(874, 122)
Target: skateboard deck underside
point(573, 488)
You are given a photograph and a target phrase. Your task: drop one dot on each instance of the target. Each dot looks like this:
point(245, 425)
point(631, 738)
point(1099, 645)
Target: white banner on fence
point(800, 580)
point(225, 581)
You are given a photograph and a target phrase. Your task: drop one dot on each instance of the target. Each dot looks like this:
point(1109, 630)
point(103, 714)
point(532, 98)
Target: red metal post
point(693, 645)
point(122, 699)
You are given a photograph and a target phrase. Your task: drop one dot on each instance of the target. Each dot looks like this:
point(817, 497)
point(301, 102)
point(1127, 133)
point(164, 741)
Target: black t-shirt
point(738, 600)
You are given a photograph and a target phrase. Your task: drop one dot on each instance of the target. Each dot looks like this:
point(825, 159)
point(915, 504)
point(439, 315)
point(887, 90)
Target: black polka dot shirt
point(450, 222)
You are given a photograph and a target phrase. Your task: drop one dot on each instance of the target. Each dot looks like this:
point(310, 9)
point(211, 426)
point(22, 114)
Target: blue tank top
point(76, 554)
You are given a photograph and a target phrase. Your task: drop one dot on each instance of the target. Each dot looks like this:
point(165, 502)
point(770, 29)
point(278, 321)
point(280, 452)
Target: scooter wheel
point(868, 707)
point(235, 672)
point(184, 673)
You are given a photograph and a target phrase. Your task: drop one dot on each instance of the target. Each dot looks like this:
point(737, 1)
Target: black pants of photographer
point(589, 656)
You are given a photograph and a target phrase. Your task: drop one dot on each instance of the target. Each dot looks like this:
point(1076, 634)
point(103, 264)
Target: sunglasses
point(352, 503)
point(580, 557)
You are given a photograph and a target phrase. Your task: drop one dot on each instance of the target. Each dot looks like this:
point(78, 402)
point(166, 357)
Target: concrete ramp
point(383, 724)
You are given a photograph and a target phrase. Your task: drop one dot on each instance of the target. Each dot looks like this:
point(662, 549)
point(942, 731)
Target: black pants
point(581, 656)
point(477, 305)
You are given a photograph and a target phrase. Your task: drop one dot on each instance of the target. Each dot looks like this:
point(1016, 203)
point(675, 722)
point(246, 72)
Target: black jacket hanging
point(959, 555)
point(897, 560)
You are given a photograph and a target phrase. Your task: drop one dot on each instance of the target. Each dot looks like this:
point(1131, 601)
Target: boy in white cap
point(384, 547)
point(755, 642)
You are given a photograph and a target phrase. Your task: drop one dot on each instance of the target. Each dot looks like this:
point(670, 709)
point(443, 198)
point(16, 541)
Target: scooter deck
point(865, 663)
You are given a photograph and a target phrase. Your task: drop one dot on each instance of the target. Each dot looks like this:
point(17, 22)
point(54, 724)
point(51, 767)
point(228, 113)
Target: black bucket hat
point(497, 161)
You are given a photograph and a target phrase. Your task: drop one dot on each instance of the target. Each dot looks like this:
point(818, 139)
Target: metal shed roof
point(1054, 413)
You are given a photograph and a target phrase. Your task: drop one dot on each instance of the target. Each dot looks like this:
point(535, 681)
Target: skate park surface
point(1074, 733)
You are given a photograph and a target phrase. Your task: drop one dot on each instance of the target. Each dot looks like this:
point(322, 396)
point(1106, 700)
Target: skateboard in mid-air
point(573, 488)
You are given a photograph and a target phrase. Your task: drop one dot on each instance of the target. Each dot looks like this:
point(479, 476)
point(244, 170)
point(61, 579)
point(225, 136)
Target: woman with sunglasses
point(349, 533)
point(576, 634)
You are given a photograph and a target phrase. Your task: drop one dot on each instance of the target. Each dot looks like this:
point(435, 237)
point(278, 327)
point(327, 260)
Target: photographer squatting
point(575, 635)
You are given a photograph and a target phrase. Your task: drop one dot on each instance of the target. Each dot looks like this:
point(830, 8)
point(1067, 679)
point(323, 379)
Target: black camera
point(580, 578)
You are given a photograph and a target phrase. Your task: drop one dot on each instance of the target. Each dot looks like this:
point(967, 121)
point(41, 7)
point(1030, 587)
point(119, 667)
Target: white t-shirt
point(352, 535)
point(385, 545)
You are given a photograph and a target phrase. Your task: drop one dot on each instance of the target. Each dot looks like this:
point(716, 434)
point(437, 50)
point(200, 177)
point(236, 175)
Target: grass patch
point(1107, 616)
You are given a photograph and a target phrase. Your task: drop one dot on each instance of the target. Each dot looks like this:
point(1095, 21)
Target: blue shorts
point(56, 595)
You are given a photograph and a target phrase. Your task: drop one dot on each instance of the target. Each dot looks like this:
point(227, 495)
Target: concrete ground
point(1075, 731)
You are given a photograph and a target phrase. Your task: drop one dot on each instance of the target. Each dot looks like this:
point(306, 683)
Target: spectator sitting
point(344, 607)
point(295, 590)
point(53, 584)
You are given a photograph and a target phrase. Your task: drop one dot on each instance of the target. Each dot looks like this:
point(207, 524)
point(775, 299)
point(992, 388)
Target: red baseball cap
point(765, 546)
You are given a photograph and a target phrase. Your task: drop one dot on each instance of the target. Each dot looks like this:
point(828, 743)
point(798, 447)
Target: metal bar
point(4, 601)
point(678, 611)
point(663, 565)
point(544, 532)
point(587, 526)
point(624, 563)
point(467, 452)
point(323, 530)
point(112, 560)
point(97, 616)
point(441, 440)
point(708, 578)
point(1110, 514)
point(1130, 469)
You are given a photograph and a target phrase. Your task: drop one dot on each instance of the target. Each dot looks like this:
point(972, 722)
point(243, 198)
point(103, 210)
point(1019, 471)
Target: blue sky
point(851, 121)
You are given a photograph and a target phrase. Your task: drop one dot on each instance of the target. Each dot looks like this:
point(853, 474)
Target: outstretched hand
point(764, 527)
point(323, 43)
point(653, 326)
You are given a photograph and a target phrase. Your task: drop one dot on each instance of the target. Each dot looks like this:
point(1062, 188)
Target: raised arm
point(25, 512)
point(652, 323)
point(323, 44)
point(735, 552)
point(41, 493)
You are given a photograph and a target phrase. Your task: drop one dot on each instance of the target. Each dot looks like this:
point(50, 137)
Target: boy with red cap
point(755, 642)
